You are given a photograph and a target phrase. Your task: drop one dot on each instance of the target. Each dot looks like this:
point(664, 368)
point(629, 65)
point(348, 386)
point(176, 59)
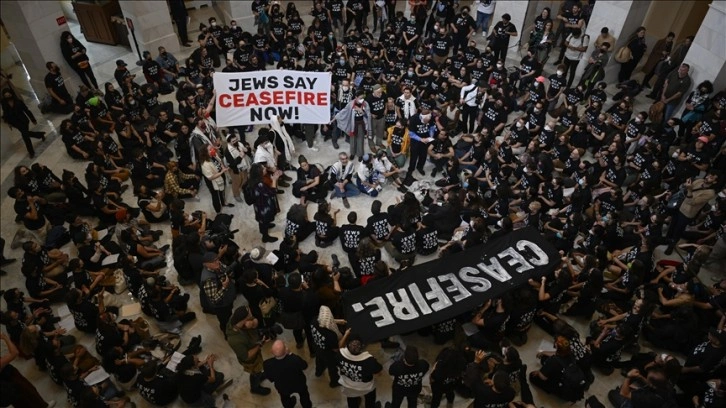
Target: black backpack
point(572, 383)
point(248, 194)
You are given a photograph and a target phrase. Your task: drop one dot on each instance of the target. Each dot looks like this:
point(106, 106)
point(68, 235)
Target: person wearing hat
point(357, 367)
point(286, 371)
point(307, 186)
point(244, 339)
point(218, 289)
point(121, 73)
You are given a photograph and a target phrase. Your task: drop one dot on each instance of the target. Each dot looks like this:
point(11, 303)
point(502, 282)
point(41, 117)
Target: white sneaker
point(484, 34)
point(315, 149)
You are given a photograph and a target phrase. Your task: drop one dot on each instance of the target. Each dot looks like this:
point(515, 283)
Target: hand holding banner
point(252, 98)
point(445, 288)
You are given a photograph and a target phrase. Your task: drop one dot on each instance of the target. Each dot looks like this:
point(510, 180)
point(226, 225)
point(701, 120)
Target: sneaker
point(332, 195)
point(315, 149)
point(346, 204)
point(434, 172)
point(260, 390)
point(268, 239)
point(335, 145)
point(421, 171)
point(238, 199)
point(336, 261)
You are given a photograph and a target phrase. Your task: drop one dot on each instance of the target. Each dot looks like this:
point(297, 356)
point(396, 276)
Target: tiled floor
point(52, 153)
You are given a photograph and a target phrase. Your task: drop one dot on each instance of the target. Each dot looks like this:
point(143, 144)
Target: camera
point(222, 238)
point(270, 332)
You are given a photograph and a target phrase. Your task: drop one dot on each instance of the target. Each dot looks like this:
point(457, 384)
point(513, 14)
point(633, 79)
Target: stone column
point(35, 28)
point(622, 18)
point(241, 12)
point(707, 55)
point(152, 26)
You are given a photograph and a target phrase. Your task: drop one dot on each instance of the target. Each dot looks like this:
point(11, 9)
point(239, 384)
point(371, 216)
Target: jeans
point(350, 191)
point(482, 21)
point(570, 69)
point(669, 109)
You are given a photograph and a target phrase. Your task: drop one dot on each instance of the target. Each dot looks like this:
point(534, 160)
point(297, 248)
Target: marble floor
point(52, 153)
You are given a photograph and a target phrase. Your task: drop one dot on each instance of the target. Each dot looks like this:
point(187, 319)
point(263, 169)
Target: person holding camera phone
point(244, 337)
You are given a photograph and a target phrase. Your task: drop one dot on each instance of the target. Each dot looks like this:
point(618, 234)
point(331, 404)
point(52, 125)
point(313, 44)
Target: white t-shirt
point(573, 55)
point(485, 6)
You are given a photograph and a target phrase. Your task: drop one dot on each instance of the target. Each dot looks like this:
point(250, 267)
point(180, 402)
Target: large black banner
point(442, 289)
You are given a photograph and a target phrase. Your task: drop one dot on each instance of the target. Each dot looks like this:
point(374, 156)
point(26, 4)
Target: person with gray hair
point(287, 371)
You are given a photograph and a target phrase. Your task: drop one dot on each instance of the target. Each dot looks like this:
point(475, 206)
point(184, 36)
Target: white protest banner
point(252, 98)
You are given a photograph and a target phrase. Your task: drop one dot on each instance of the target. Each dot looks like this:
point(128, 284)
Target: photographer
point(217, 292)
point(246, 342)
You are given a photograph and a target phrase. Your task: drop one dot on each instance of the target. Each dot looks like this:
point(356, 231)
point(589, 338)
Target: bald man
point(287, 371)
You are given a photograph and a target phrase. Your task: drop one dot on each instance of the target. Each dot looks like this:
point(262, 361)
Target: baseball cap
point(376, 87)
point(703, 139)
point(540, 79)
point(121, 62)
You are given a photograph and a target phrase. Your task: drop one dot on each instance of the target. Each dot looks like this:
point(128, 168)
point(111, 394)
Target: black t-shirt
point(501, 34)
point(158, 391)
point(85, 316)
point(360, 371)
point(323, 338)
point(408, 378)
point(287, 373)
point(57, 84)
point(190, 386)
point(377, 226)
point(486, 397)
point(350, 236)
point(22, 208)
point(405, 242)
point(706, 356)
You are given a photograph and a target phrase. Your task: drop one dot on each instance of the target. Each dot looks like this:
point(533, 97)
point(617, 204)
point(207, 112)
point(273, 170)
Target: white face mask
point(359, 49)
point(637, 120)
point(214, 23)
point(345, 88)
point(360, 100)
point(536, 84)
point(547, 128)
point(560, 72)
point(520, 125)
point(499, 65)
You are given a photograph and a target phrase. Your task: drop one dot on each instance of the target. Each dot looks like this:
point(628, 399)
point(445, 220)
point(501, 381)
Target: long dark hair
point(256, 173)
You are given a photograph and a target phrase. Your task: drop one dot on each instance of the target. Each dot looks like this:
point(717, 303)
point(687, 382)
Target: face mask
point(519, 125)
point(537, 110)
point(345, 88)
point(234, 26)
point(499, 223)
point(331, 36)
point(360, 100)
point(559, 72)
point(499, 65)
point(581, 182)
point(213, 23)
point(342, 62)
point(410, 73)
point(547, 128)
point(536, 84)
point(637, 120)
point(359, 49)
point(132, 103)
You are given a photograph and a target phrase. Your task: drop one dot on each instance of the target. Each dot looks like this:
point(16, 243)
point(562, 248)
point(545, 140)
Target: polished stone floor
point(52, 153)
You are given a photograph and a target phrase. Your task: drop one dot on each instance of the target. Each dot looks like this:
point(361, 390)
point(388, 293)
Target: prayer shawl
point(286, 139)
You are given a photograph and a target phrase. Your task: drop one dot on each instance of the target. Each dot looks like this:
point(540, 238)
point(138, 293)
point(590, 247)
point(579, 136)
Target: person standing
point(575, 46)
point(636, 44)
point(56, 87)
point(264, 192)
point(499, 38)
point(661, 50)
point(286, 371)
point(17, 115)
point(377, 102)
point(214, 170)
point(418, 132)
point(484, 11)
point(357, 368)
point(355, 120)
point(244, 338)
point(676, 85)
point(217, 289)
point(407, 376)
point(75, 55)
point(181, 17)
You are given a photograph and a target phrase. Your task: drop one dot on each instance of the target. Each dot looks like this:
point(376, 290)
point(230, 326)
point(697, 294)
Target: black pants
point(369, 400)
point(500, 53)
point(327, 360)
point(181, 26)
point(288, 400)
point(26, 134)
point(87, 76)
point(468, 117)
point(438, 390)
point(626, 70)
point(677, 227)
point(223, 314)
point(264, 227)
point(570, 69)
point(397, 398)
point(217, 196)
point(418, 156)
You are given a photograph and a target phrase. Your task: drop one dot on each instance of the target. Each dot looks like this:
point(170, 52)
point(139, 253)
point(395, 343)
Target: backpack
point(572, 383)
point(623, 55)
point(247, 193)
